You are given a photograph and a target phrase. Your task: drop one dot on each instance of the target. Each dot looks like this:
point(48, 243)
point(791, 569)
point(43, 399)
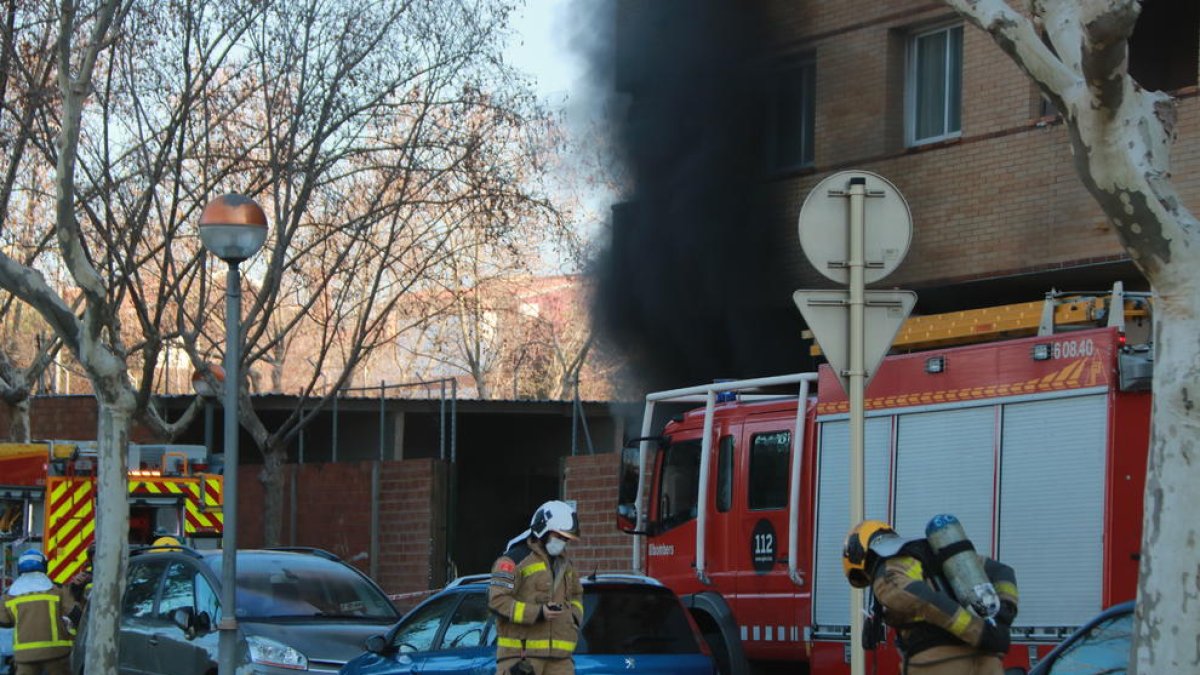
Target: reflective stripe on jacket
point(525, 579)
point(40, 632)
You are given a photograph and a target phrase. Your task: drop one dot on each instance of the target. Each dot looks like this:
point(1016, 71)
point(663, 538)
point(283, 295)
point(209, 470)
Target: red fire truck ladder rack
point(707, 393)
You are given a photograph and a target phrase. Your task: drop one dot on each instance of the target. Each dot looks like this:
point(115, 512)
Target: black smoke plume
point(694, 284)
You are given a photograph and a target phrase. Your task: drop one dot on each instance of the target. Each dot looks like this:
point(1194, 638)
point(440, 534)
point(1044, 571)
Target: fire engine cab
point(48, 494)
point(1037, 442)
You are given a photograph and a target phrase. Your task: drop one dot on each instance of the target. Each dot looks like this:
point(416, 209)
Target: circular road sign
point(825, 226)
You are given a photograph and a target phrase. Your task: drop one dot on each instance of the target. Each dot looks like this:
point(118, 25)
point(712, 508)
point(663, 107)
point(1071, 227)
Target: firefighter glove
point(1008, 612)
point(994, 639)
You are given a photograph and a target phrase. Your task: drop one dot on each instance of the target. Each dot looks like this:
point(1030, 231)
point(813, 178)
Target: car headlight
point(268, 652)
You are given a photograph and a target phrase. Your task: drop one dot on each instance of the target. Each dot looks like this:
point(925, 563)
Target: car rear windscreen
point(634, 620)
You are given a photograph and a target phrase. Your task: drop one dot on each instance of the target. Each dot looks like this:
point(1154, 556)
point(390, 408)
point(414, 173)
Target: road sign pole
point(856, 379)
point(832, 227)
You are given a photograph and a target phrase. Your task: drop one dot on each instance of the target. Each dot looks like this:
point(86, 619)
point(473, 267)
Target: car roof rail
point(165, 548)
point(468, 579)
point(311, 550)
point(622, 576)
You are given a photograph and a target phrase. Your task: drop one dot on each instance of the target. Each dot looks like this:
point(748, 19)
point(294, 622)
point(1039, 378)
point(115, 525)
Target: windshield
point(292, 585)
point(634, 620)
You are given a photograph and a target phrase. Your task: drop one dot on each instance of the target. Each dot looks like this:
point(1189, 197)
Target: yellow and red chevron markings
point(1079, 373)
point(71, 523)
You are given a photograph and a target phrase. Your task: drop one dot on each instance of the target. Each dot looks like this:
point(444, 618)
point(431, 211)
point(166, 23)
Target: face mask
point(555, 546)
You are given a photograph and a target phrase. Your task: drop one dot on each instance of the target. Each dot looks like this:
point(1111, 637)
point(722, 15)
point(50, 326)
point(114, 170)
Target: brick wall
point(591, 480)
point(68, 418)
point(333, 512)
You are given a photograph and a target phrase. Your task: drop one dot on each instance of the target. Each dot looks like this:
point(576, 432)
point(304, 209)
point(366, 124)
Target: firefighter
point(537, 596)
point(936, 636)
point(36, 608)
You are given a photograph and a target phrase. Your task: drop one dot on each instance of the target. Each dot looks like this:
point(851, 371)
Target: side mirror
point(185, 618)
point(376, 644)
point(627, 489)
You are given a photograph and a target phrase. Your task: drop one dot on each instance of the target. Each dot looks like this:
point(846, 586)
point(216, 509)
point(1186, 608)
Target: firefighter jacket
point(37, 608)
point(916, 600)
point(524, 580)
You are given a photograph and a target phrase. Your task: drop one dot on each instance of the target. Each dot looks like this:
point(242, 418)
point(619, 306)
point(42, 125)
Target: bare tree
point(121, 196)
point(375, 130)
point(1077, 52)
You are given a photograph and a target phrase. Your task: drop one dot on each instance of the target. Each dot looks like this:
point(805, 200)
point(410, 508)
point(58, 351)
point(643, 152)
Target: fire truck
point(1035, 438)
point(48, 496)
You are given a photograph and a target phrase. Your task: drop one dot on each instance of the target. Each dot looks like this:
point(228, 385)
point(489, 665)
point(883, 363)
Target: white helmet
point(555, 516)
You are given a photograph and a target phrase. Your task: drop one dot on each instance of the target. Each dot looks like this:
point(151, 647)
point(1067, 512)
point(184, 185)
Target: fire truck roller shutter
point(720, 630)
point(833, 509)
point(954, 450)
point(1053, 467)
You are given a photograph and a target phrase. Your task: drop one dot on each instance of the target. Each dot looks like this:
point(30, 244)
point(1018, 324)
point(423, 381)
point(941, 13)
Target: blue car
point(631, 624)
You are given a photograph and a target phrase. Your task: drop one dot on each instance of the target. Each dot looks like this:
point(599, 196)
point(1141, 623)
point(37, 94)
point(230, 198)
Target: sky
point(539, 47)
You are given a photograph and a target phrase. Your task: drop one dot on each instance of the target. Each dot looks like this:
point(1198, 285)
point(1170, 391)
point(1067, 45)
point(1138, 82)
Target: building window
point(792, 110)
point(935, 85)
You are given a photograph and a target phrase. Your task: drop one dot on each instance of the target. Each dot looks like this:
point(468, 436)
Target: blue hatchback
point(631, 624)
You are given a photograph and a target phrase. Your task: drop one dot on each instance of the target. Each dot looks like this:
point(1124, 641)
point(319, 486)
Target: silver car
point(296, 609)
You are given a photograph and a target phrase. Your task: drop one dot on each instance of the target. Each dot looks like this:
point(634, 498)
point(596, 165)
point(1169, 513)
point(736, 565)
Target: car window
point(140, 589)
point(207, 599)
point(179, 589)
point(634, 620)
point(293, 585)
point(419, 629)
point(1104, 649)
point(469, 625)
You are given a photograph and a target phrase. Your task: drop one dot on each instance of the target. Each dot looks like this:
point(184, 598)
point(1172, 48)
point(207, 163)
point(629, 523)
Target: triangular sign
point(827, 314)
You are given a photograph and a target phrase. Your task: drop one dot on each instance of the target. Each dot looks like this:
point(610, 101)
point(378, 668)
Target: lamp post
point(207, 394)
point(233, 228)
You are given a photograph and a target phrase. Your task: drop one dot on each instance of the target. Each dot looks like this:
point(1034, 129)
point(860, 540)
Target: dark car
point(1100, 646)
point(296, 609)
point(631, 624)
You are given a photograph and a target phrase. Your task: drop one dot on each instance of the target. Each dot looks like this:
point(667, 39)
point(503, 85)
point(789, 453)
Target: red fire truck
point(48, 494)
point(1037, 444)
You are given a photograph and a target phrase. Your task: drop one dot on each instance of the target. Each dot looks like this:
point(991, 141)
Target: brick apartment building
point(908, 90)
point(902, 88)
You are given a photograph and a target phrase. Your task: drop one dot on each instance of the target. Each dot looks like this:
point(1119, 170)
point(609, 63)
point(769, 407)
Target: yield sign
point(827, 314)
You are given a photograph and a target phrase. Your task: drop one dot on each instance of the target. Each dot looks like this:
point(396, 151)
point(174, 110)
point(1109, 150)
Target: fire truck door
point(721, 559)
point(766, 596)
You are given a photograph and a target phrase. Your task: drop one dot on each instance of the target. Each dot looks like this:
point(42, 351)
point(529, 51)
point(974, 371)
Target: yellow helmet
point(857, 556)
point(166, 543)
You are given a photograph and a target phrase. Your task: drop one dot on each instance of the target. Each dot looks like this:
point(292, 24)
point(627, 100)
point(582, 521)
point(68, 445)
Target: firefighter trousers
point(540, 666)
point(953, 660)
point(60, 666)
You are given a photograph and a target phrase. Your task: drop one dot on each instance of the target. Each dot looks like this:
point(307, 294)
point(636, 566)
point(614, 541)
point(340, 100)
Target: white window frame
point(910, 89)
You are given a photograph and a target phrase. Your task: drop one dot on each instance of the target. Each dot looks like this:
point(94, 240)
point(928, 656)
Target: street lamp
point(233, 228)
point(207, 393)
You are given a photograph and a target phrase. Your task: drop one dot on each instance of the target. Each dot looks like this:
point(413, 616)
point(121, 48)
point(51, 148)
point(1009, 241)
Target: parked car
point(1101, 646)
point(631, 624)
point(297, 609)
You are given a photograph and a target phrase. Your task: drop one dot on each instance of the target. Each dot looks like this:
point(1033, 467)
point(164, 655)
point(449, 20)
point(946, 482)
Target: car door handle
point(153, 641)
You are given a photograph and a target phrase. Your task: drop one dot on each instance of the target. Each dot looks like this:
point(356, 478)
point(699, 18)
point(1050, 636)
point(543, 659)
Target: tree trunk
point(112, 525)
point(18, 421)
point(1169, 586)
point(272, 481)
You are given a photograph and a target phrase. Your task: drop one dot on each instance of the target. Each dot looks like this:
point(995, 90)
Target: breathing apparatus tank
point(961, 566)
